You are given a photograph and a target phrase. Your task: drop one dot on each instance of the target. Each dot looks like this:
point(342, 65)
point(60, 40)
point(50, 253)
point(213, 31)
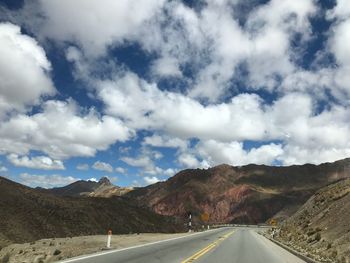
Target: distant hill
point(102, 188)
point(246, 194)
point(28, 214)
point(322, 224)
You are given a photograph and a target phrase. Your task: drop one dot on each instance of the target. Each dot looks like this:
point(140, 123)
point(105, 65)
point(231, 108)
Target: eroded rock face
point(247, 194)
point(321, 226)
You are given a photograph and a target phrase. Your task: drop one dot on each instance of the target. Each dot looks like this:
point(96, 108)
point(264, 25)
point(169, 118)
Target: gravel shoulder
point(55, 249)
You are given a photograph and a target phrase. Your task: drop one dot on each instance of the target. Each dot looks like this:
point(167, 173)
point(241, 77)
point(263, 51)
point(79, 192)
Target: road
point(236, 245)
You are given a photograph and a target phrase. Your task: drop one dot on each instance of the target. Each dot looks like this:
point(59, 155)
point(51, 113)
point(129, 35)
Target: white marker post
point(109, 238)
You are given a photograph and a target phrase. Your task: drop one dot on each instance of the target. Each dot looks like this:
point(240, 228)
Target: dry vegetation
point(321, 228)
point(54, 249)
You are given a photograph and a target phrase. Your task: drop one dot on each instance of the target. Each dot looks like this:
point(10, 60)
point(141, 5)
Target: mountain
point(321, 225)
point(246, 194)
point(28, 214)
point(102, 188)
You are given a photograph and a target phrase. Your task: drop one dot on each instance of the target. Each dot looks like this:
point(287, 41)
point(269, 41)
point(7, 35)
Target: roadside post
point(205, 219)
point(109, 237)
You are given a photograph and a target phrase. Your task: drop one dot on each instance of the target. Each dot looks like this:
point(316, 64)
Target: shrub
point(318, 236)
point(6, 258)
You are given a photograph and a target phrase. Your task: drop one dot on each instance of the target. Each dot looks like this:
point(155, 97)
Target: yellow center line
point(206, 249)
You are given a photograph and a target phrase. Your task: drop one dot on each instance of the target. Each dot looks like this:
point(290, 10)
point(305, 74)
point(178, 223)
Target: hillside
point(28, 214)
point(246, 194)
point(322, 224)
point(102, 188)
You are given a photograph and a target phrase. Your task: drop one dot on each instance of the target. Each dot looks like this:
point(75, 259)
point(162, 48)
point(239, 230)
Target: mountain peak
point(104, 180)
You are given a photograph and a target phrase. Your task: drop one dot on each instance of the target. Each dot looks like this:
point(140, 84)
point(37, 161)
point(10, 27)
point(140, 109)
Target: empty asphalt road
point(240, 245)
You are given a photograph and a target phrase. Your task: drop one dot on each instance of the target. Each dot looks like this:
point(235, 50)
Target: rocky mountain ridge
point(102, 188)
point(245, 194)
point(28, 214)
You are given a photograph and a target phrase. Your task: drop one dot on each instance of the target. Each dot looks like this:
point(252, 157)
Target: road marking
point(205, 250)
point(137, 246)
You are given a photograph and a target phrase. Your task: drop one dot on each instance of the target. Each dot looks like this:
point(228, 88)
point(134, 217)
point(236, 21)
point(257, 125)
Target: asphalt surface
point(241, 245)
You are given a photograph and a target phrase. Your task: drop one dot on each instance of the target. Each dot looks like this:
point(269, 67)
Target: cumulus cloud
point(338, 46)
point(24, 70)
point(83, 166)
point(61, 130)
point(121, 170)
point(3, 169)
point(188, 160)
point(298, 121)
point(233, 153)
point(93, 179)
point(165, 141)
point(142, 161)
point(165, 67)
point(242, 118)
point(151, 180)
point(146, 161)
point(102, 166)
point(46, 181)
point(37, 162)
point(112, 21)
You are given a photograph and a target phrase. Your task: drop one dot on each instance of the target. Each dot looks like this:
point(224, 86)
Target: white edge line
point(127, 248)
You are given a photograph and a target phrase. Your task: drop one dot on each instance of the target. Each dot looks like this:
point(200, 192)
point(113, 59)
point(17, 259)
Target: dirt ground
point(55, 249)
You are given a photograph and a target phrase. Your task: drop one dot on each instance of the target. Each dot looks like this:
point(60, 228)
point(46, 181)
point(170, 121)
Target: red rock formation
point(247, 194)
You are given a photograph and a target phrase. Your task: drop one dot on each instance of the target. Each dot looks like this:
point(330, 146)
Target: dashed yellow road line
point(205, 250)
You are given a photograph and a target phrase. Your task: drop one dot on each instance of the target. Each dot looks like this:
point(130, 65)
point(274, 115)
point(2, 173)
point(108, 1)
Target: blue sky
point(138, 90)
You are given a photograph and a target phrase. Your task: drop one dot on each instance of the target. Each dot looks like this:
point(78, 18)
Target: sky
point(137, 90)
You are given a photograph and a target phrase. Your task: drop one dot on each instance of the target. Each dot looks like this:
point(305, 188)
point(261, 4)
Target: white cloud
point(300, 155)
point(233, 153)
point(121, 170)
point(212, 43)
point(61, 130)
point(3, 169)
point(341, 10)
point(102, 166)
point(109, 21)
point(37, 162)
point(83, 166)
point(142, 161)
point(165, 141)
point(188, 160)
point(340, 36)
point(170, 172)
point(190, 119)
point(145, 161)
point(245, 117)
point(151, 180)
point(46, 181)
point(165, 67)
point(93, 179)
point(24, 70)
point(210, 40)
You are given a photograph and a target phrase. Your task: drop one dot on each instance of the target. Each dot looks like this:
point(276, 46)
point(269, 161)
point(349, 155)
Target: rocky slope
point(102, 188)
point(247, 194)
point(28, 214)
point(321, 227)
